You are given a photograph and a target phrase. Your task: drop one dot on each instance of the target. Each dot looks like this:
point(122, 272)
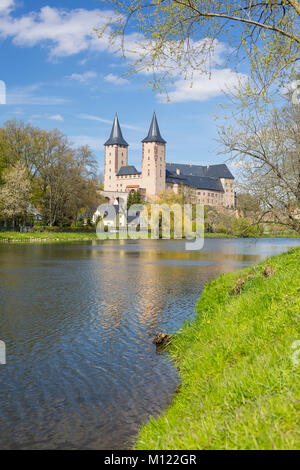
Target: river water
point(78, 321)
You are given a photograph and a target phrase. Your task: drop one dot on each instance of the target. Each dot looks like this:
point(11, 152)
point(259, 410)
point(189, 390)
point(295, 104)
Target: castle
point(211, 184)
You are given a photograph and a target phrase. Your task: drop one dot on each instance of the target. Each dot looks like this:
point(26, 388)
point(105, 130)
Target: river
point(78, 321)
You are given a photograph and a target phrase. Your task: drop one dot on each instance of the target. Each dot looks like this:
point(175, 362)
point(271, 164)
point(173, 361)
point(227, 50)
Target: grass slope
point(240, 389)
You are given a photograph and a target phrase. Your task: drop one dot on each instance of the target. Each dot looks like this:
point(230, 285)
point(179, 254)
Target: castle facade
point(211, 184)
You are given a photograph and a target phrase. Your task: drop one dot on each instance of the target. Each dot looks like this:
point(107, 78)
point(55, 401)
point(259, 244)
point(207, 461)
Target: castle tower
point(154, 160)
point(116, 155)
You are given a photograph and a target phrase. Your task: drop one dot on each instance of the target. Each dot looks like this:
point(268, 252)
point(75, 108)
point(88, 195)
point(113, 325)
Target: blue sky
point(59, 75)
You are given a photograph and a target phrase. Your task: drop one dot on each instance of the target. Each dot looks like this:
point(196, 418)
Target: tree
point(184, 196)
point(16, 193)
point(181, 37)
point(134, 197)
point(243, 228)
point(22, 142)
point(247, 205)
point(63, 178)
point(266, 152)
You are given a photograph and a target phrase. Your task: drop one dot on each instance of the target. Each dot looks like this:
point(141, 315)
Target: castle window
point(148, 172)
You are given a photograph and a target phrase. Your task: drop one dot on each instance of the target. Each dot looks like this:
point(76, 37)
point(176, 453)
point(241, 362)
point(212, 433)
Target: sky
point(58, 74)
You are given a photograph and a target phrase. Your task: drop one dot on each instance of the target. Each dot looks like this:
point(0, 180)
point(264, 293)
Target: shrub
point(243, 228)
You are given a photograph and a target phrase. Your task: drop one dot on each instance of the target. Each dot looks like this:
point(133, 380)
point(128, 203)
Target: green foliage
point(179, 38)
point(134, 197)
point(243, 228)
point(42, 169)
point(239, 386)
point(50, 234)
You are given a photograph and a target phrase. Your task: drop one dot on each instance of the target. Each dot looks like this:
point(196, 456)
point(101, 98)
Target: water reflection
point(78, 321)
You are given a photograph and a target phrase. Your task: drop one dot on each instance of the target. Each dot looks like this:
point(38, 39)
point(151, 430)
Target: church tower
point(154, 160)
point(116, 155)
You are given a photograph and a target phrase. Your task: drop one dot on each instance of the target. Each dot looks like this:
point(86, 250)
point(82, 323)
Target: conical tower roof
point(154, 133)
point(116, 137)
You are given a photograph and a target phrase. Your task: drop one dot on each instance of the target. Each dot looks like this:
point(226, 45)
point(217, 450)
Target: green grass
point(45, 236)
point(239, 386)
point(17, 237)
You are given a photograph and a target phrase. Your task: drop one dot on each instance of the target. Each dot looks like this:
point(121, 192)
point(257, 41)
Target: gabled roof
point(116, 137)
point(109, 211)
point(154, 132)
point(196, 182)
point(211, 171)
point(128, 170)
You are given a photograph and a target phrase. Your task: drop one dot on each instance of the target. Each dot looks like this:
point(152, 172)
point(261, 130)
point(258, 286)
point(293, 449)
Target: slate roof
point(128, 170)
point(110, 211)
point(154, 132)
point(211, 171)
point(116, 137)
point(196, 182)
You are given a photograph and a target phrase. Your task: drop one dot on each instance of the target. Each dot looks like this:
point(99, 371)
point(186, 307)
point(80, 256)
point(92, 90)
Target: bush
point(243, 228)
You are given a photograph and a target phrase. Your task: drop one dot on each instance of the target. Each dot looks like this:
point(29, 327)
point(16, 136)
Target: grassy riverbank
point(46, 236)
point(240, 388)
point(38, 237)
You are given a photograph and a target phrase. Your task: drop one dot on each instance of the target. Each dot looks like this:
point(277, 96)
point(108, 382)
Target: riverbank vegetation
point(239, 374)
point(44, 179)
point(9, 237)
point(46, 236)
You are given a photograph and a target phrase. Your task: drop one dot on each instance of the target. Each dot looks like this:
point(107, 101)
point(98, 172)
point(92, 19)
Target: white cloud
point(96, 143)
point(204, 86)
point(89, 117)
point(111, 78)
point(68, 32)
point(6, 6)
point(28, 95)
point(65, 32)
point(83, 77)
point(109, 121)
point(56, 117)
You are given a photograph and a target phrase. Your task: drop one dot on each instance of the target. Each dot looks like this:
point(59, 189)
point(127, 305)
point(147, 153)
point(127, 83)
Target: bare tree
point(266, 154)
point(181, 37)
